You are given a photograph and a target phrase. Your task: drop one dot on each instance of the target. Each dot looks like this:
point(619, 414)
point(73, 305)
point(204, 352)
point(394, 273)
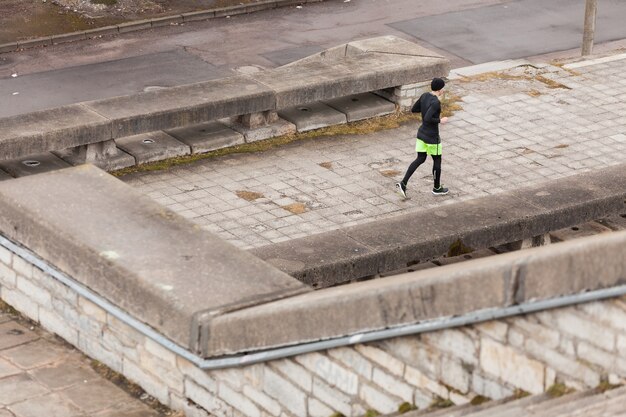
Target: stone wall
point(580, 346)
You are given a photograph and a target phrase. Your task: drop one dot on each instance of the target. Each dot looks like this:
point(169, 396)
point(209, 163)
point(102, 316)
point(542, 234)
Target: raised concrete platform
point(366, 250)
point(362, 106)
point(355, 68)
point(207, 137)
point(34, 164)
point(141, 257)
point(154, 146)
point(312, 116)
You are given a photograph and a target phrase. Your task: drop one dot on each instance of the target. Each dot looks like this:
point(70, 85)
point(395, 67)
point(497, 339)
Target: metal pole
point(591, 7)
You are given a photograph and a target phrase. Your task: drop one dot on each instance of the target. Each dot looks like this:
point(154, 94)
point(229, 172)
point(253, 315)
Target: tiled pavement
point(43, 377)
point(522, 127)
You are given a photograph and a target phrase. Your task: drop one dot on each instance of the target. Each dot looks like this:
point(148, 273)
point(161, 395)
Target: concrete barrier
point(369, 249)
point(141, 257)
point(253, 100)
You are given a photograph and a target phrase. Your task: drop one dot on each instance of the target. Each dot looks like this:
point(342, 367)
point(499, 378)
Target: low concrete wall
point(152, 263)
point(363, 70)
point(366, 250)
point(580, 346)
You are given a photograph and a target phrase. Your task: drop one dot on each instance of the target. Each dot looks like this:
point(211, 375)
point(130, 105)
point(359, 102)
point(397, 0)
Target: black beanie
point(437, 84)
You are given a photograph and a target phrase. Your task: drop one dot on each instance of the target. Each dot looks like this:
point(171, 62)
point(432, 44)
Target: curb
point(150, 23)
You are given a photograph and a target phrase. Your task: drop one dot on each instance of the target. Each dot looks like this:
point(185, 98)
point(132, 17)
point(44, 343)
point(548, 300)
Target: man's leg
point(401, 186)
point(438, 189)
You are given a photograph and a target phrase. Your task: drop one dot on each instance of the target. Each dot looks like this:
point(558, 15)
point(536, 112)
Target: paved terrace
point(516, 128)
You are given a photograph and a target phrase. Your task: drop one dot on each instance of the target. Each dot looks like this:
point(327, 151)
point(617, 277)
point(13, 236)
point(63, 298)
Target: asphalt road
point(466, 31)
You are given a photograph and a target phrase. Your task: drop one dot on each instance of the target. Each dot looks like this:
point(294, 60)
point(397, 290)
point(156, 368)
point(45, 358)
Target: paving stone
point(33, 164)
point(312, 116)
point(95, 396)
point(34, 354)
point(51, 405)
point(64, 374)
point(19, 387)
point(153, 146)
point(362, 106)
point(206, 137)
point(6, 369)
point(13, 334)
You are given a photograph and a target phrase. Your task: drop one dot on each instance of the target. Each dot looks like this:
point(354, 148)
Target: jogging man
point(428, 141)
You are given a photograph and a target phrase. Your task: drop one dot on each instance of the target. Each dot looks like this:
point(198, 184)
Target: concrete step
point(594, 404)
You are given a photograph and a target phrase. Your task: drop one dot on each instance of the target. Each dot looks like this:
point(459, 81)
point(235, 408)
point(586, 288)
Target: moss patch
point(441, 403)
point(249, 195)
point(606, 386)
point(372, 413)
point(390, 173)
point(458, 248)
point(520, 393)
point(479, 399)
point(558, 390)
point(295, 208)
point(406, 407)
point(7, 309)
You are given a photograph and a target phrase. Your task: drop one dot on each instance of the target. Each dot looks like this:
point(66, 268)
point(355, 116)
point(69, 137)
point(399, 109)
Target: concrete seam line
point(288, 351)
point(267, 6)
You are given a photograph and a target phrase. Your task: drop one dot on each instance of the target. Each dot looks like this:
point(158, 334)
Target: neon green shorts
point(430, 149)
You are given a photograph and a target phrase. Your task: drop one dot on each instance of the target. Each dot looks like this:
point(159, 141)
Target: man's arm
point(433, 109)
point(416, 106)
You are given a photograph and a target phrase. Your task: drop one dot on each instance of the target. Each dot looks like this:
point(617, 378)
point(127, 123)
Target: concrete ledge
point(50, 130)
point(185, 105)
point(365, 250)
point(150, 262)
point(8, 47)
point(166, 21)
point(68, 37)
point(357, 71)
point(34, 164)
point(499, 281)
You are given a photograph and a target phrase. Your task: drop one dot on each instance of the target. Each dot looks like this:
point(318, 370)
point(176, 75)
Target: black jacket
point(430, 107)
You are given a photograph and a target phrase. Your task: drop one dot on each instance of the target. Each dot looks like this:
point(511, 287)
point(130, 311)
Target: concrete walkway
point(42, 376)
point(521, 127)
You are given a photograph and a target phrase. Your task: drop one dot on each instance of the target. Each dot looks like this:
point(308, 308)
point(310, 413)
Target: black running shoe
point(401, 189)
point(440, 191)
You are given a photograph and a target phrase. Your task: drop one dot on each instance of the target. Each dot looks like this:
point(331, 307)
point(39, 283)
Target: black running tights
point(421, 158)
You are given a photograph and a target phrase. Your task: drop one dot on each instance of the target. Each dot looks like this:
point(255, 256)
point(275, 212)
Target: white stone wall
point(405, 95)
point(579, 346)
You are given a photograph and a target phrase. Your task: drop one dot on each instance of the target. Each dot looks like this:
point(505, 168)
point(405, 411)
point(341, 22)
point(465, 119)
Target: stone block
point(103, 31)
point(153, 146)
point(185, 105)
point(291, 397)
point(278, 128)
point(330, 372)
point(454, 342)
point(134, 26)
point(312, 116)
point(199, 15)
point(353, 360)
point(419, 380)
point(379, 401)
point(238, 401)
point(8, 277)
point(23, 303)
point(332, 397)
point(205, 399)
point(49, 130)
point(207, 137)
point(511, 367)
point(295, 372)
point(22, 267)
point(268, 404)
point(382, 358)
point(68, 37)
point(105, 155)
point(393, 385)
point(167, 21)
point(454, 374)
point(318, 409)
point(584, 329)
point(54, 323)
point(8, 47)
point(563, 364)
point(361, 106)
point(36, 293)
point(33, 164)
point(6, 369)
